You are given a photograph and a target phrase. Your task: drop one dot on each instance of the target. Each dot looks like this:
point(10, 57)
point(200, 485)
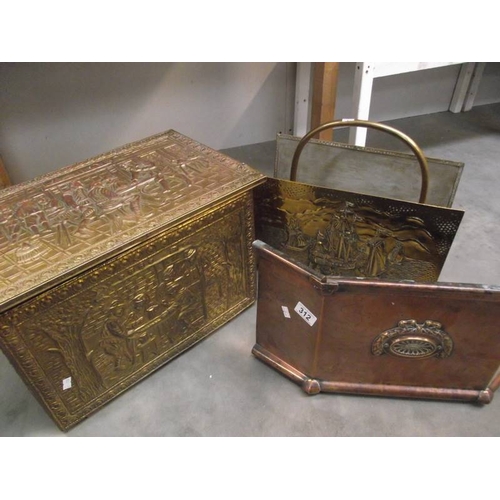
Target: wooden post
point(4, 177)
point(324, 95)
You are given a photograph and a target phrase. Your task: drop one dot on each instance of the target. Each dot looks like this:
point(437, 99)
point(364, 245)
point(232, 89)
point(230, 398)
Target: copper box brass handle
point(378, 126)
point(410, 339)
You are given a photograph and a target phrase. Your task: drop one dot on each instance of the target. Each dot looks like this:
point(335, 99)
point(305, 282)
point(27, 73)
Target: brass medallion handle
point(378, 126)
point(411, 339)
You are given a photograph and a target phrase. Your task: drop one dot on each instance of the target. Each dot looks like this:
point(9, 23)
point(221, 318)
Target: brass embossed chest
point(112, 267)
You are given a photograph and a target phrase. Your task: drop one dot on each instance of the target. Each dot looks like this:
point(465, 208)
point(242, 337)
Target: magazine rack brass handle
point(378, 126)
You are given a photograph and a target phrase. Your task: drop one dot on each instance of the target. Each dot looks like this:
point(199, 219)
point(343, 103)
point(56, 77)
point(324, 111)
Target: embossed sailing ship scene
point(112, 267)
point(348, 234)
point(354, 234)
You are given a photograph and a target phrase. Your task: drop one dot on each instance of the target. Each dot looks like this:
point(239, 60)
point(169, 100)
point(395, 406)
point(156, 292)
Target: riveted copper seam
point(495, 381)
point(317, 349)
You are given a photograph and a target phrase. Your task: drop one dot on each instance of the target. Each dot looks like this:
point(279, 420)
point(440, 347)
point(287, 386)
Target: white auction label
point(305, 314)
point(66, 383)
point(286, 312)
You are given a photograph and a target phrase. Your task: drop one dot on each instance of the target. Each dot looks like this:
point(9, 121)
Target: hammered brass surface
point(350, 234)
point(82, 343)
point(61, 223)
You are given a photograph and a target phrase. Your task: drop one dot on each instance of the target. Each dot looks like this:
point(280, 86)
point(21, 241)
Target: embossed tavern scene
point(110, 268)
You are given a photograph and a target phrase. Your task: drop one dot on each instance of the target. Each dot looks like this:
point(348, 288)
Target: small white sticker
point(66, 383)
point(305, 314)
point(286, 312)
point(348, 119)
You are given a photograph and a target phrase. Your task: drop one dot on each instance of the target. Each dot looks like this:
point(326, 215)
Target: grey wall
point(55, 114)
point(52, 115)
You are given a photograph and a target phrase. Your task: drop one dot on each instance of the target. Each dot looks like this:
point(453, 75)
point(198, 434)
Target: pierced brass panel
point(349, 234)
point(84, 342)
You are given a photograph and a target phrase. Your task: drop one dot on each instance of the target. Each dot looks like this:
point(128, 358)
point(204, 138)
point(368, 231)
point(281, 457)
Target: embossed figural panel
point(82, 343)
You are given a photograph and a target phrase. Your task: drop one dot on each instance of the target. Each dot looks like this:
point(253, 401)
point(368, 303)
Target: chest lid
point(57, 225)
point(376, 336)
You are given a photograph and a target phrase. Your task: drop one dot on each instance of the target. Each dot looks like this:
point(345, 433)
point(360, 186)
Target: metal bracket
point(325, 286)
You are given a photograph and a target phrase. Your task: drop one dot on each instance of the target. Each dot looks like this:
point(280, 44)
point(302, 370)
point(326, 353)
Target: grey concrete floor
point(218, 388)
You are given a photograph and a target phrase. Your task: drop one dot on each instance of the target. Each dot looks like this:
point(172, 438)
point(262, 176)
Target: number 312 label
point(305, 314)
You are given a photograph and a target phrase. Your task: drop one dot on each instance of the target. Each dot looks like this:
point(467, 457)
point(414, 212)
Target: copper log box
point(377, 337)
point(114, 266)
